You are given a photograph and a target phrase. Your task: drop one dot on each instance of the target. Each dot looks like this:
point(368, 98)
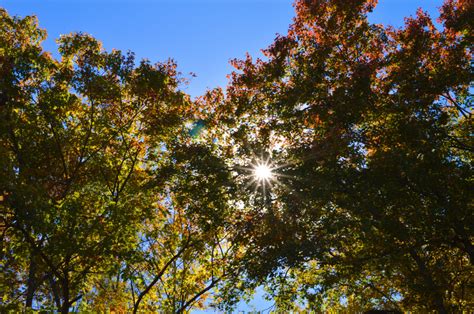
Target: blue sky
point(201, 35)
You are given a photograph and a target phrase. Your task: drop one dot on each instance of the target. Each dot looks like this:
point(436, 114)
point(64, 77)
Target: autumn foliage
point(119, 193)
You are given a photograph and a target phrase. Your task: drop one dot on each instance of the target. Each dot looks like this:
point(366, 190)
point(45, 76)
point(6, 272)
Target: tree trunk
point(31, 283)
point(65, 294)
point(436, 298)
point(54, 289)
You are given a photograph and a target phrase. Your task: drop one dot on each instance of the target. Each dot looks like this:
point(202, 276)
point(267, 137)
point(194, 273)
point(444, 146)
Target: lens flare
point(262, 172)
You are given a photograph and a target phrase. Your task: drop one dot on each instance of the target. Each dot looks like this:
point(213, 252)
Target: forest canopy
point(335, 173)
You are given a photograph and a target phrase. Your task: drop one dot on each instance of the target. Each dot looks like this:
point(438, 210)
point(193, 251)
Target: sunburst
point(261, 175)
point(263, 172)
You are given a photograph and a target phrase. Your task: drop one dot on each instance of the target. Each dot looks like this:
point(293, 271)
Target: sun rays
point(261, 175)
point(262, 172)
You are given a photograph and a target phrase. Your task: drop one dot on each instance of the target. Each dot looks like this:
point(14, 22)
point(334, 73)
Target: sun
point(262, 172)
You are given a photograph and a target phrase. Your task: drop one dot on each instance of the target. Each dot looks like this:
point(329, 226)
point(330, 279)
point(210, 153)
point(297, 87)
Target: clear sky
point(201, 35)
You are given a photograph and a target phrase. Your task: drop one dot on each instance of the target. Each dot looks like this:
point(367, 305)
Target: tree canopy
point(336, 172)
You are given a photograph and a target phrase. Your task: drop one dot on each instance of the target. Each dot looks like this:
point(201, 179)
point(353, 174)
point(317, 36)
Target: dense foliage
point(85, 215)
point(119, 193)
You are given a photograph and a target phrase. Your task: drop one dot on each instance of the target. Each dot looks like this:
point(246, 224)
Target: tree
point(367, 129)
point(109, 200)
point(118, 193)
point(75, 141)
